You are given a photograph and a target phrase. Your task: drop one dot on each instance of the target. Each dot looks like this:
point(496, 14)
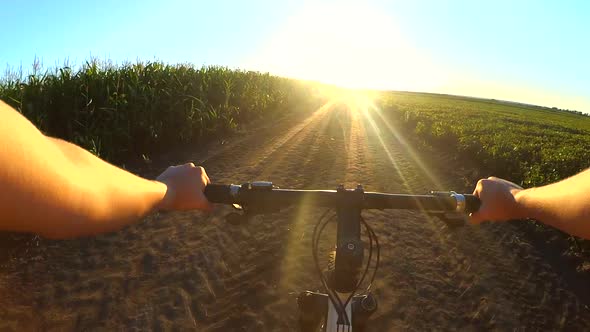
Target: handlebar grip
point(472, 203)
point(219, 193)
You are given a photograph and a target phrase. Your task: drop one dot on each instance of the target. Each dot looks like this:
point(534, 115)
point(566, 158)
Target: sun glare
point(355, 99)
point(352, 46)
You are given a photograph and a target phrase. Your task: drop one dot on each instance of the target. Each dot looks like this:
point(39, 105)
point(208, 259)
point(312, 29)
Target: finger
point(204, 204)
point(478, 188)
point(478, 216)
point(475, 218)
point(206, 176)
point(200, 171)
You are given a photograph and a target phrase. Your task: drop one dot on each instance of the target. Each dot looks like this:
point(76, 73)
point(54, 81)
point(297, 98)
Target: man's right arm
point(564, 205)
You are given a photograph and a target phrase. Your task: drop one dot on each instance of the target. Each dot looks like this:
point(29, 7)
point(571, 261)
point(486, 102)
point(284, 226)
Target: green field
point(528, 144)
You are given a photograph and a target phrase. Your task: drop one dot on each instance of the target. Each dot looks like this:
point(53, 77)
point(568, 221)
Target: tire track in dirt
point(359, 158)
point(253, 154)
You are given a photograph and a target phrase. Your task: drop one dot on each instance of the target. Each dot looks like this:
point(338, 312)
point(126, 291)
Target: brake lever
point(238, 218)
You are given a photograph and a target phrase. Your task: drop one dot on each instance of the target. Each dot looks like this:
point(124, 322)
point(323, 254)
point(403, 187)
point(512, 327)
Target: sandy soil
point(190, 271)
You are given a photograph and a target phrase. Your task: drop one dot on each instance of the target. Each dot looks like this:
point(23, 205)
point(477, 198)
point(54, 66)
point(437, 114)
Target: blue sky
point(528, 51)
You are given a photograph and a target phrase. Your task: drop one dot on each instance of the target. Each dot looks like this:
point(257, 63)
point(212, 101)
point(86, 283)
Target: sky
point(534, 52)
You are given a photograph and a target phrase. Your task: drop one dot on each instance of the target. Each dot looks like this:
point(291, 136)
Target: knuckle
point(197, 170)
point(191, 165)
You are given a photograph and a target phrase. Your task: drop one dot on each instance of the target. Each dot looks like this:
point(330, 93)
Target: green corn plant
point(134, 109)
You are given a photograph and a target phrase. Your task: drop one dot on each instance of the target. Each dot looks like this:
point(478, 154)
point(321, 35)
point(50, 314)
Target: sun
point(349, 45)
point(356, 100)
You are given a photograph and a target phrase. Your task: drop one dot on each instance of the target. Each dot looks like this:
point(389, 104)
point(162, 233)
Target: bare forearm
point(117, 197)
point(564, 205)
point(59, 190)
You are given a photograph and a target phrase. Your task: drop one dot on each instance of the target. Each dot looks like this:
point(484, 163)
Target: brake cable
point(333, 297)
point(315, 241)
point(378, 253)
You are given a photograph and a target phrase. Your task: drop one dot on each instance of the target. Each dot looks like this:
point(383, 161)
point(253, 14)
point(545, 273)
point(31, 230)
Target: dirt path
point(189, 271)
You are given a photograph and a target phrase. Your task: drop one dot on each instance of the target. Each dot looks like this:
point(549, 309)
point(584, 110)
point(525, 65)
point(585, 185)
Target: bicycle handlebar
point(263, 195)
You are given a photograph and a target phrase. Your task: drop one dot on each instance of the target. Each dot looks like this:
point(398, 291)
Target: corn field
point(120, 112)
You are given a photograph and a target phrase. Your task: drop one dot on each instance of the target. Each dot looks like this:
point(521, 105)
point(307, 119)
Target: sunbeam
point(294, 249)
point(365, 111)
point(366, 107)
point(408, 148)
